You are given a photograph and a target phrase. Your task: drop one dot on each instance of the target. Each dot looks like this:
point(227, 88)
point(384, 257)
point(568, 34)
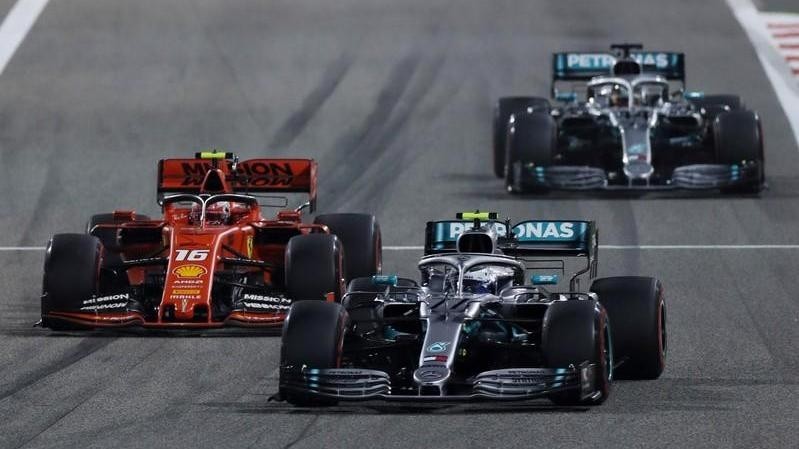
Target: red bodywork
point(195, 251)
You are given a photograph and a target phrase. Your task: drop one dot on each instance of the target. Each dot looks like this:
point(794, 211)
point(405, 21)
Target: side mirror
point(302, 206)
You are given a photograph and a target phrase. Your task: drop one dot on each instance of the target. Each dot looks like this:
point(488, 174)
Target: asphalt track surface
point(394, 100)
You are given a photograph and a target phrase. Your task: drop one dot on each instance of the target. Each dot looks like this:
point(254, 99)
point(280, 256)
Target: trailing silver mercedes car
point(623, 120)
point(486, 320)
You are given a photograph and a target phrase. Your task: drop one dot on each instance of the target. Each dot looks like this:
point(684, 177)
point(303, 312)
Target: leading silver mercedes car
point(622, 120)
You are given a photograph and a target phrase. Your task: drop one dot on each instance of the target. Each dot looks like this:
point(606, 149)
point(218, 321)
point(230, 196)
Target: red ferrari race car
point(213, 260)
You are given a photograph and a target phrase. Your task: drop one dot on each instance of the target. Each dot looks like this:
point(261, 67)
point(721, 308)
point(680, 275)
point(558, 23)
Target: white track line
point(611, 247)
point(15, 27)
point(779, 74)
point(644, 247)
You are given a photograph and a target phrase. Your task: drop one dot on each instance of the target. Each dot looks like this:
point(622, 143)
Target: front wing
point(129, 319)
point(353, 384)
point(528, 177)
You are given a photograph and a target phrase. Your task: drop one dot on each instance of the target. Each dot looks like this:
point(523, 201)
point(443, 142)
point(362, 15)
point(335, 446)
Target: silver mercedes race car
point(486, 320)
point(625, 121)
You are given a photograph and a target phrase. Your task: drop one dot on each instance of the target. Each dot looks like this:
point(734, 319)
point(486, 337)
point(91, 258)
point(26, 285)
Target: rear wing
point(533, 241)
point(250, 176)
point(532, 238)
point(582, 66)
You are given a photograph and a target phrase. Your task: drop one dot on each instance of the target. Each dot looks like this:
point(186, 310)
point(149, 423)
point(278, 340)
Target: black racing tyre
point(738, 138)
point(314, 267)
point(313, 336)
point(502, 112)
point(362, 242)
point(713, 105)
point(637, 310)
point(532, 138)
point(108, 236)
point(573, 332)
point(71, 275)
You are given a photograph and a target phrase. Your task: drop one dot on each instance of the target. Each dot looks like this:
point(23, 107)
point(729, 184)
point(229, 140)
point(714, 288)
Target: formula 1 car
point(213, 260)
point(632, 127)
point(473, 328)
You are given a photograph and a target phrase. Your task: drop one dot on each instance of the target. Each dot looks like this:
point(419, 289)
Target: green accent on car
point(385, 279)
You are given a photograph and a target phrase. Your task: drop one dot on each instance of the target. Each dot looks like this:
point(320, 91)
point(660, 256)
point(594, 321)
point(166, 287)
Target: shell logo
point(189, 271)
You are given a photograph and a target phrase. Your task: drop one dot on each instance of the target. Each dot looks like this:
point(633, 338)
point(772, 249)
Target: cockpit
point(609, 93)
point(650, 92)
point(209, 210)
point(472, 274)
point(643, 91)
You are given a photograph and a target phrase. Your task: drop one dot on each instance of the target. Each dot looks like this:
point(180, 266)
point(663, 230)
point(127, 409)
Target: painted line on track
point(647, 247)
point(15, 27)
point(777, 70)
point(611, 247)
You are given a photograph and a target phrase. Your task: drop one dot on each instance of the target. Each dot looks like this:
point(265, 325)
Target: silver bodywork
point(636, 119)
point(445, 314)
point(460, 303)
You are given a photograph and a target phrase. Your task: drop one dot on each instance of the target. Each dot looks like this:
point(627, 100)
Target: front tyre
point(71, 275)
point(574, 332)
point(738, 139)
point(313, 337)
point(504, 108)
point(532, 138)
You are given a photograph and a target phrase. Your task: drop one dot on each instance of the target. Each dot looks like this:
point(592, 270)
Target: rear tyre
point(502, 112)
point(531, 139)
point(574, 332)
point(637, 308)
point(713, 105)
point(314, 267)
point(738, 138)
point(362, 242)
point(313, 337)
point(71, 273)
point(108, 236)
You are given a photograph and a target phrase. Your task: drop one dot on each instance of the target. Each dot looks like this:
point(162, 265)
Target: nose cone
point(431, 379)
point(638, 169)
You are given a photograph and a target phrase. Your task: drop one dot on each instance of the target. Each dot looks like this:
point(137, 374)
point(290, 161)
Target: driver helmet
point(651, 95)
point(479, 281)
point(618, 96)
point(217, 213)
point(195, 213)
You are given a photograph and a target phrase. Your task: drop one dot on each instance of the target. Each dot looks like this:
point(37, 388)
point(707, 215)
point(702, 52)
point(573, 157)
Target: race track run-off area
point(394, 100)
